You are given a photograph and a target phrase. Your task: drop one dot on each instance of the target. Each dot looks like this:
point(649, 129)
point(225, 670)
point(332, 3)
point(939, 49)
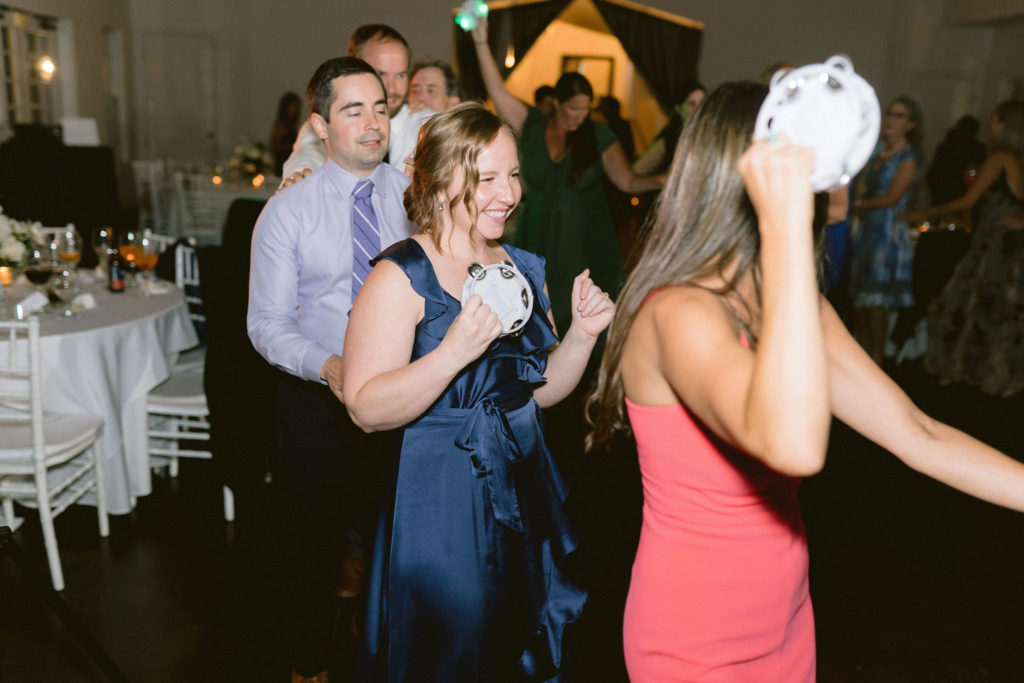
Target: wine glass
point(38, 268)
point(130, 247)
point(69, 247)
point(102, 241)
point(146, 261)
point(69, 253)
point(44, 271)
point(66, 250)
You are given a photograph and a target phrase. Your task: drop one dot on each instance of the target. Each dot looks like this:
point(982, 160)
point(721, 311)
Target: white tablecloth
point(104, 363)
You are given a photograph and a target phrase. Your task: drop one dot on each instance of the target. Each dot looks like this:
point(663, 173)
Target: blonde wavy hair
point(450, 142)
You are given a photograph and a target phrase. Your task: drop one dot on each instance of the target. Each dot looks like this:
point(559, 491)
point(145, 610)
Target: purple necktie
point(365, 234)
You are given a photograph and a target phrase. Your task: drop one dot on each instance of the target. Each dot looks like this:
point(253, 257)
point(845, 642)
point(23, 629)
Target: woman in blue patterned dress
point(881, 268)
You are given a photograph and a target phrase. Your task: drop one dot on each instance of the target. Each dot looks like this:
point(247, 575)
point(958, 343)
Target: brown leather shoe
point(350, 584)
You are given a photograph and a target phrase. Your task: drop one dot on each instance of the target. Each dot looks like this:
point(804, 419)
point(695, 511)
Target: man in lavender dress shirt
point(300, 293)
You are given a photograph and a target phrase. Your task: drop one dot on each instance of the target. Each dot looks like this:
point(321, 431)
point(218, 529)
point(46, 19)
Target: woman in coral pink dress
point(729, 366)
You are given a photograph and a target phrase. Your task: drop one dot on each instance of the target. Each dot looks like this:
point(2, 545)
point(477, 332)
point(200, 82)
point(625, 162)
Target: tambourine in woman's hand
point(504, 289)
point(827, 107)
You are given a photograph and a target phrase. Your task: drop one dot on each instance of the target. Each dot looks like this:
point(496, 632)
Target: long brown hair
point(449, 141)
point(704, 225)
point(582, 142)
point(704, 228)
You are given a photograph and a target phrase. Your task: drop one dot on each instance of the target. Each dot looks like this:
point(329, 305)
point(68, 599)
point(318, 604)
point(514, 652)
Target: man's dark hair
point(609, 107)
point(452, 85)
point(367, 32)
point(542, 92)
point(320, 94)
point(967, 126)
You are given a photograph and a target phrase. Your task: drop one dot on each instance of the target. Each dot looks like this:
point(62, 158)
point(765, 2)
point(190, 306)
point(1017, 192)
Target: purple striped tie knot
point(365, 234)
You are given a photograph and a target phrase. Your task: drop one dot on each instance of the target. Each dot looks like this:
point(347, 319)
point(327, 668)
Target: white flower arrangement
point(16, 238)
point(250, 158)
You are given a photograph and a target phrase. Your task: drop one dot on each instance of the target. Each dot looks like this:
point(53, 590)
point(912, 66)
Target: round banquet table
point(104, 362)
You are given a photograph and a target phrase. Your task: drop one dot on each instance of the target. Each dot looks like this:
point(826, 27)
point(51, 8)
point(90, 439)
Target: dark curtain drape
point(665, 53)
point(521, 25)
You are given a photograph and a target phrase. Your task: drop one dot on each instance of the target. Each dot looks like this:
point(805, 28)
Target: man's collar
point(345, 181)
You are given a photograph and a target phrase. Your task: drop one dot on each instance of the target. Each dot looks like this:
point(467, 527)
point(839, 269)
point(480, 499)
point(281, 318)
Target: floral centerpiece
point(251, 159)
point(17, 238)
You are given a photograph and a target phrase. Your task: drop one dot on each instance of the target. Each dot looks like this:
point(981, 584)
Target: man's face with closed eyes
point(356, 136)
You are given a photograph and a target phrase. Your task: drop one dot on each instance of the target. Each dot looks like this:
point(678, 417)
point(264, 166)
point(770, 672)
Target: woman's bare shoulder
point(680, 315)
point(682, 302)
point(678, 336)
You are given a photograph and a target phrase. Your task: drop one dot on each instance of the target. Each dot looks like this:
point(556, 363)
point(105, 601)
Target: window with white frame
point(28, 47)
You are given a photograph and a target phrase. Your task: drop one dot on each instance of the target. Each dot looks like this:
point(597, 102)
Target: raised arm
point(616, 167)
point(865, 398)
point(788, 388)
point(383, 390)
point(510, 108)
point(592, 310)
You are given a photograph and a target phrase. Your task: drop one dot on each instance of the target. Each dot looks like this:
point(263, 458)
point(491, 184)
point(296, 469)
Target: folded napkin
point(30, 304)
point(83, 302)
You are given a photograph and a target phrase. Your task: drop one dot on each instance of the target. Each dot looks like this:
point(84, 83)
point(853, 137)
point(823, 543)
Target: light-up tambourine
point(827, 107)
point(470, 14)
point(505, 290)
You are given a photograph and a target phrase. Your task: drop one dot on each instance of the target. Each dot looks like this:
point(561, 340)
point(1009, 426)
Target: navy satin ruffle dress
point(465, 582)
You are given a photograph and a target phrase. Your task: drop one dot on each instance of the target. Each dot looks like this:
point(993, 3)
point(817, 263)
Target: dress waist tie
point(493, 452)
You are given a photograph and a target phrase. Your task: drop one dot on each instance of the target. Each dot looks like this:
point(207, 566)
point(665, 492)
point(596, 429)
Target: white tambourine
point(827, 107)
point(505, 290)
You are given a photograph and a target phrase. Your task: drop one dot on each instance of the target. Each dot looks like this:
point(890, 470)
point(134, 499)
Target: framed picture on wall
point(600, 71)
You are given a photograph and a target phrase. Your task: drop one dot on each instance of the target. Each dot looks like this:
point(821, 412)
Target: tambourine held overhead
point(504, 289)
point(828, 107)
point(470, 14)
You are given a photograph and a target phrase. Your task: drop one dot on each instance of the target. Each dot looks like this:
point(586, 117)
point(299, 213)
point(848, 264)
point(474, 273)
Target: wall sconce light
point(46, 69)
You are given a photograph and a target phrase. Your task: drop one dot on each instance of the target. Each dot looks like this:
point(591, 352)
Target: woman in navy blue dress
point(466, 583)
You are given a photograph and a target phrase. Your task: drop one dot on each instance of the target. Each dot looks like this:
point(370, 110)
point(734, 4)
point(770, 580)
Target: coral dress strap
point(658, 291)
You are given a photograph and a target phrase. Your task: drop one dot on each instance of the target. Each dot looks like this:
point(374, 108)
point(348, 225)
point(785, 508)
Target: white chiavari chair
point(34, 442)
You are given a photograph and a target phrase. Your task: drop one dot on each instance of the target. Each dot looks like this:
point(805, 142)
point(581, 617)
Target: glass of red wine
point(39, 269)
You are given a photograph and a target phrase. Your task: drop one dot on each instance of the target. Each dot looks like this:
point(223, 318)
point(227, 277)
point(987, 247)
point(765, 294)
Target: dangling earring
point(441, 205)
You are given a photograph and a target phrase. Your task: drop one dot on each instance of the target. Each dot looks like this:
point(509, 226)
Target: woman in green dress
point(565, 217)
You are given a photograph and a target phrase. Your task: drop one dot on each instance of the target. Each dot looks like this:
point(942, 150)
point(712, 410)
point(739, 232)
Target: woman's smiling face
point(498, 192)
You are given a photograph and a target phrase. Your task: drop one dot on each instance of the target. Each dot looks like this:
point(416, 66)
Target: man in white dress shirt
point(310, 250)
point(383, 48)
